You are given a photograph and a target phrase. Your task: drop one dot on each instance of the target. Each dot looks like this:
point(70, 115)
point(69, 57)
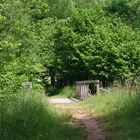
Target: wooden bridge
point(83, 89)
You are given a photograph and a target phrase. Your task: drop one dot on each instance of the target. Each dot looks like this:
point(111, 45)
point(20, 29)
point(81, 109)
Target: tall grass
point(120, 113)
point(65, 92)
point(31, 117)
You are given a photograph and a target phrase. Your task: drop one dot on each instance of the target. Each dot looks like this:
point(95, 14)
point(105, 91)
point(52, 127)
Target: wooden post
point(97, 87)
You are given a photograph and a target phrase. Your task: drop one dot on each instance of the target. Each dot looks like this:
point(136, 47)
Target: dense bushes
point(82, 43)
point(128, 10)
point(18, 58)
point(100, 43)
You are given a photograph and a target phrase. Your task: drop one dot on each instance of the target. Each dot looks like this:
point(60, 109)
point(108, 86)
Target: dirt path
point(92, 126)
point(93, 129)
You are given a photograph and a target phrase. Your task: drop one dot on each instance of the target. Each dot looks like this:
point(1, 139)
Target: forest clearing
point(84, 53)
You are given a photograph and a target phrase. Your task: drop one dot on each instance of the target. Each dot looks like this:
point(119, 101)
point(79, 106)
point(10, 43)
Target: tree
point(96, 45)
point(18, 46)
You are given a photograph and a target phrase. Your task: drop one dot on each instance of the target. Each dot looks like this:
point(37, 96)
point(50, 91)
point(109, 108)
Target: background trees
point(68, 40)
point(100, 45)
point(18, 46)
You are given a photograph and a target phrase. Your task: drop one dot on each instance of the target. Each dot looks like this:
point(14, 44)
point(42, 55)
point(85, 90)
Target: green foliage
point(61, 8)
point(19, 60)
point(67, 40)
point(89, 3)
point(128, 10)
point(102, 46)
point(67, 92)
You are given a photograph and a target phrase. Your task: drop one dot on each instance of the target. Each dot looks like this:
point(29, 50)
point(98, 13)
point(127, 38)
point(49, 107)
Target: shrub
point(102, 47)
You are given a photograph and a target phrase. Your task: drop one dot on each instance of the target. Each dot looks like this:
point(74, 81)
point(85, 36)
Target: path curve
point(93, 129)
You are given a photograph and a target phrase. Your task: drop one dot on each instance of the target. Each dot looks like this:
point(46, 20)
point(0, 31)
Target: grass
point(119, 112)
point(30, 117)
point(66, 92)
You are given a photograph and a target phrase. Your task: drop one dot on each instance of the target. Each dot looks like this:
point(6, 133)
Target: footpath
point(93, 128)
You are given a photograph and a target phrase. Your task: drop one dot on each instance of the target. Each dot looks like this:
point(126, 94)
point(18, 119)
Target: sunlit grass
point(119, 112)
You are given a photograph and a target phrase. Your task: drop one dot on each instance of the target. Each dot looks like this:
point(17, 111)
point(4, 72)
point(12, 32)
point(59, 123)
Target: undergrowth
point(30, 117)
point(65, 92)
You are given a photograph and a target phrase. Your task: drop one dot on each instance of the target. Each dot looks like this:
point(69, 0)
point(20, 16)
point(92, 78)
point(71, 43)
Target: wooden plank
point(88, 82)
point(78, 91)
point(81, 91)
point(97, 88)
point(88, 90)
point(84, 91)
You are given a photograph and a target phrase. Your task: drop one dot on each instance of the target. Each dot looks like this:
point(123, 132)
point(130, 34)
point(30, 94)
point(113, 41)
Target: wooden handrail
point(88, 82)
